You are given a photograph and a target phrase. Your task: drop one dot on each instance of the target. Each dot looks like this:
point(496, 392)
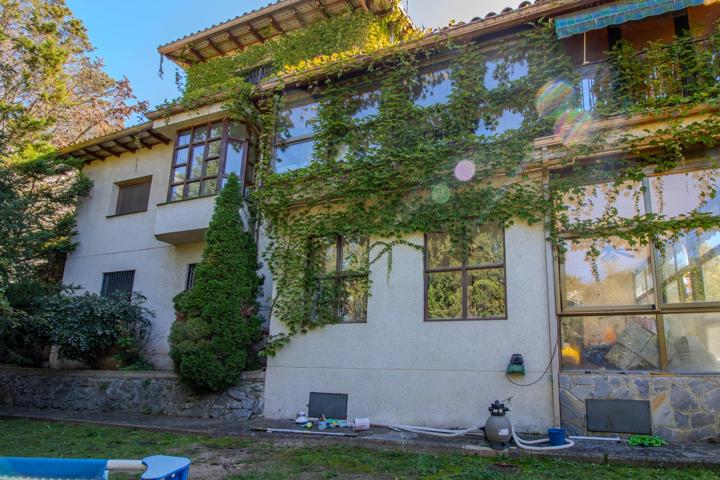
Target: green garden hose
point(646, 441)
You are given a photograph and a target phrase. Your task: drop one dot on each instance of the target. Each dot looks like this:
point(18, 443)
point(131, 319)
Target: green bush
point(90, 327)
point(24, 338)
point(217, 318)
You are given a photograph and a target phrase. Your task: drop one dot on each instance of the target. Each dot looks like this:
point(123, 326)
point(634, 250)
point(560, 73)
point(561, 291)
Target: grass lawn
point(225, 458)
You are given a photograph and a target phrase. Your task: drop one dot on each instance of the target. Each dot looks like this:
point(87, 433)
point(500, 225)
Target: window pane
point(623, 271)
point(209, 186)
point(353, 303)
point(690, 268)
point(486, 245)
point(355, 255)
point(234, 159)
point(236, 130)
point(434, 88)
point(197, 161)
point(193, 189)
point(442, 252)
point(183, 137)
point(329, 256)
point(200, 134)
point(693, 342)
point(214, 149)
point(511, 72)
point(298, 120)
point(368, 105)
point(592, 202)
point(444, 295)
point(216, 130)
point(623, 342)
point(179, 174)
point(181, 156)
point(211, 167)
point(176, 192)
point(292, 157)
point(486, 293)
point(681, 193)
point(509, 120)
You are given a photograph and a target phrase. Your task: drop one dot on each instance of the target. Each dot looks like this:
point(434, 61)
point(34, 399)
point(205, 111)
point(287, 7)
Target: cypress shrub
point(217, 318)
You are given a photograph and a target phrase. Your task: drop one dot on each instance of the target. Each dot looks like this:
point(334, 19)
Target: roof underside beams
point(262, 25)
point(130, 140)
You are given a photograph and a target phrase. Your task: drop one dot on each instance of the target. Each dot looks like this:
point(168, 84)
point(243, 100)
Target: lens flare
point(573, 126)
point(553, 97)
point(440, 193)
point(465, 170)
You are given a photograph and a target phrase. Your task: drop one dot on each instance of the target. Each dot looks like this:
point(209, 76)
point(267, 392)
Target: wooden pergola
point(264, 24)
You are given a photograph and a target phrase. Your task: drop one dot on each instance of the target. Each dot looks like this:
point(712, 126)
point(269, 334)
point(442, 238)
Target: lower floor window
point(343, 284)
point(465, 277)
point(115, 283)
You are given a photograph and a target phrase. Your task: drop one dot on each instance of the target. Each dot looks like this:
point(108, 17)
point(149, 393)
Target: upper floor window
point(204, 157)
point(465, 279)
point(190, 278)
point(133, 195)
point(294, 143)
point(433, 87)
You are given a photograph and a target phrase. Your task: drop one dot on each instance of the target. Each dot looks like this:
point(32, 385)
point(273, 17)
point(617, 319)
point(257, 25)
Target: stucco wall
point(110, 243)
point(397, 368)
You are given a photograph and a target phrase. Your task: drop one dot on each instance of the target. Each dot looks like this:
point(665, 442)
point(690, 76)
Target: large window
point(204, 157)
point(133, 196)
point(294, 143)
point(343, 284)
point(465, 278)
point(643, 307)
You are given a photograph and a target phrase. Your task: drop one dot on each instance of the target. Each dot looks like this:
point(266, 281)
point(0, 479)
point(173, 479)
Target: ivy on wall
point(394, 172)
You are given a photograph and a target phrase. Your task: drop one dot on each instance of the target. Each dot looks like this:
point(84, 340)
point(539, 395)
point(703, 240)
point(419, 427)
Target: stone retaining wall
point(684, 408)
point(155, 393)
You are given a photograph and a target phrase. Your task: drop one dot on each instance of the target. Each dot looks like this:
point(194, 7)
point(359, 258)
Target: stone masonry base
point(684, 408)
point(155, 393)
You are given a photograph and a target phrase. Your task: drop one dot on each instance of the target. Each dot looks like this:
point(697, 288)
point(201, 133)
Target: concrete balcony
point(184, 221)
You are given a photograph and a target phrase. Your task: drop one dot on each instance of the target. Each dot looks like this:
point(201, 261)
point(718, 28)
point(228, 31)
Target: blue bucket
point(556, 436)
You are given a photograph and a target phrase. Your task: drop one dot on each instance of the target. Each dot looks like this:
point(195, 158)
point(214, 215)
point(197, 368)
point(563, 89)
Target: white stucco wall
point(396, 368)
point(127, 242)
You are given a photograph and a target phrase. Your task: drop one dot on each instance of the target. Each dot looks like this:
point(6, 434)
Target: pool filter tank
point(498, 429)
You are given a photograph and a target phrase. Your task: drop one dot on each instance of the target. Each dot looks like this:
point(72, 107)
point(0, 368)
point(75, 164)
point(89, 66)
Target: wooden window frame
point(221, 174)
point(464, 268)
point(280, 143)
point(338, 275)
point(658, 309)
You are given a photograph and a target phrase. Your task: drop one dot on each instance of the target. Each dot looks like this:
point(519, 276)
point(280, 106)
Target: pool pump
point(498, 429)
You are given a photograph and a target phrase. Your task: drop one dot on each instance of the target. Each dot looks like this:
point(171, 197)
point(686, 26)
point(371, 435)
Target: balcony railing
point(604, 85)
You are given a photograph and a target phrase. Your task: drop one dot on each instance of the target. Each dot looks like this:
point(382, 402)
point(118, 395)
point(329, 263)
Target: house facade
point(626, 342)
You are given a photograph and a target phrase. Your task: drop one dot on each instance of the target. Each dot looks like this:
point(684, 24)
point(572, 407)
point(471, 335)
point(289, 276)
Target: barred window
point(117, 282)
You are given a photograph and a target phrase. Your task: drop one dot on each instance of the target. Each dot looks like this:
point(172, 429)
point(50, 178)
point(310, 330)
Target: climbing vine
point(384, 159)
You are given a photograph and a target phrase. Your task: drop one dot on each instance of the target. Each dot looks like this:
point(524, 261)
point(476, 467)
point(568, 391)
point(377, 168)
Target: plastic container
point(556, 436)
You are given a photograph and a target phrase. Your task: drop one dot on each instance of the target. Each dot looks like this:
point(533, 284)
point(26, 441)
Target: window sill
point(472, 319)
point(114, 215)
point(171, 202)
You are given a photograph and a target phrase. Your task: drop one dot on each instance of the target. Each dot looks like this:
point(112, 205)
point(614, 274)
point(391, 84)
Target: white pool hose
point(447, 433)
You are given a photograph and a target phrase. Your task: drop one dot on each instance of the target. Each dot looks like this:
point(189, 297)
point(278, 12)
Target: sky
point(127, 38)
